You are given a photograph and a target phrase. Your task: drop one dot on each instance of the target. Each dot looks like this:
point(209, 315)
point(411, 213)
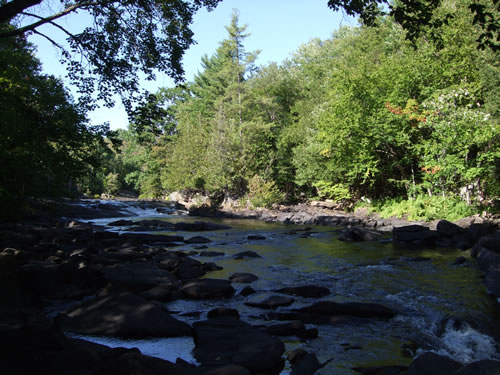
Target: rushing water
point(442, 307)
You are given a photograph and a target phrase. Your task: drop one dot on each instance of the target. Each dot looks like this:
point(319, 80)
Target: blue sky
point(277, 28)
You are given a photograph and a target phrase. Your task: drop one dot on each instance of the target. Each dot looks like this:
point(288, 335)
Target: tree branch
point(49, 39)
point(44, 20)
point(12, 9)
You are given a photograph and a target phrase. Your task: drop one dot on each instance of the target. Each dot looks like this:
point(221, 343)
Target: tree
point(417, 15)
point(124, 39)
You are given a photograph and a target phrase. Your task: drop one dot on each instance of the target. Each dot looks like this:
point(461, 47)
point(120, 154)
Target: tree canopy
point(123, 40)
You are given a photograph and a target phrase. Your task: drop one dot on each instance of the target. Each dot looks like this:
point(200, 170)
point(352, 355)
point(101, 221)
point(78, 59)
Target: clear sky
point(277, 28)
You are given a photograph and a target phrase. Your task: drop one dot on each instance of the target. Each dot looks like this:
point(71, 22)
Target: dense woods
point(365, 116)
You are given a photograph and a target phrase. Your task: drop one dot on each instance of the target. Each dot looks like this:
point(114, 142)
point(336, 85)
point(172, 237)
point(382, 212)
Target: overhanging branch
point(12, 9)
point(44, 20)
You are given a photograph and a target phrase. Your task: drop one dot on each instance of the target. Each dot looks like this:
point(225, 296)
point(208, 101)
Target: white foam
point(466, 344)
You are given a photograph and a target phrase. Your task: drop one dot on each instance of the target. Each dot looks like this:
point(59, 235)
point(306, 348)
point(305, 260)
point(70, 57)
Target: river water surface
point(442, 307)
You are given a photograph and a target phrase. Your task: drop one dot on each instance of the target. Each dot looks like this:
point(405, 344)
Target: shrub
point(263, 193)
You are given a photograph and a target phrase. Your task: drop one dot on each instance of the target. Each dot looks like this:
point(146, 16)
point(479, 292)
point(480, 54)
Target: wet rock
point(210, 266)
point(382, 370)
point(197, 239)
point(433, 364)
point(189, 269)
point(124, 315)
point(417, 259)
point(492, 281)
point(208, 289)
point(246, 254)
point(121, 223)
point(256, 237)
point(243, 278)
point(307, 365)
point(293, 328)
point(223, 312)
point(414, 234)
point(211, 253)
point(138, 276)
point(162, 293)
point(150, 238)
point(460, 260)
point(271, 302)
point(246, 291)
point(328, 312)
point(359, 234)
point(307, 291)
point(230, 370)
point(484, 367)
point(446, 228)
point(229, 341)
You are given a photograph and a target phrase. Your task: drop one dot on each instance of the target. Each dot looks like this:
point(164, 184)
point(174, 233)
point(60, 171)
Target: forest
point(370, 116)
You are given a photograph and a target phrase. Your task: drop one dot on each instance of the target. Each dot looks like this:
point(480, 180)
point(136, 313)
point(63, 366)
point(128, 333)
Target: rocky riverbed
point(170, 276)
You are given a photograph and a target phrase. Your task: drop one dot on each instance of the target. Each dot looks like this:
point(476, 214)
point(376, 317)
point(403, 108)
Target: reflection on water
point(431, 295)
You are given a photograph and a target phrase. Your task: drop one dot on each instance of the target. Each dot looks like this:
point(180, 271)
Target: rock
point(246, 291)
point(229, 341)
point(121, 223)
point(197, 239)
point(200, 226)
point(413, 233)
point(162, 293)
point(293, 328)
point(492, 281)
point(306, 365)
point(138, 276)
point(307, 291)
point(211, 253)
point(246, 254)
point(433, 364)
point(244, 278)
point(223, 312)
point(484, 367)
point(446, 228)
point(230, 370)
point(328, 312)
point(382, 370)
point(271, 302)
point(151, 238)
point(359, 234)
point(460, 260)
point(210, 266)
point(208, 289)
point(124, 315)
point(256, 237)
point(189, 269)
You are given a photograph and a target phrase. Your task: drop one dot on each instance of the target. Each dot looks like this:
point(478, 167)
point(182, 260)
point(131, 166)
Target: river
point(442, 307)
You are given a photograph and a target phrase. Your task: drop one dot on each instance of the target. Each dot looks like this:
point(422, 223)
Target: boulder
point(138, 276)
point(484, 367)
point(162, 293)
point(197, 239)
point(492, 281)
point(246, 291)
point(223, 312)
point(293, 328)
point(307, 291)
point(246, 254)
point(121, 223)
point(433, 364)
point(229, 341)
point(306, 365)
point(230, 370)
point(359, 234)
point(122, 315)
point(243, 278)
point(413, 233)
point(270, 302)
point(208, 289)
point(446, 228)
point(256, 237)
point(211, 253)
point(151, 238)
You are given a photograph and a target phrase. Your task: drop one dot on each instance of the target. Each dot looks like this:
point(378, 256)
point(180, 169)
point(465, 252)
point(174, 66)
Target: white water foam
point(466, 344)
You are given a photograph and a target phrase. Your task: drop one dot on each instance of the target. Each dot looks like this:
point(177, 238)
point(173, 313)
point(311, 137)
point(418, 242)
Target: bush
point(262, 193)
point(336, 192)
point(112, 184)
point(425, 208)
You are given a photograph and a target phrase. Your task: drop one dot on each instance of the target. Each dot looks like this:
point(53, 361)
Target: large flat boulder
point(208, 289)
point(122, 315)
point(138, 276)
point(230, 341)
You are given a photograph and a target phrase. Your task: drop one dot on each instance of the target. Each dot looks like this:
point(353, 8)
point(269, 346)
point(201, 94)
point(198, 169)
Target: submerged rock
point(246, 254)
point(271, 302)
point(307, 291)
point(243, 278)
